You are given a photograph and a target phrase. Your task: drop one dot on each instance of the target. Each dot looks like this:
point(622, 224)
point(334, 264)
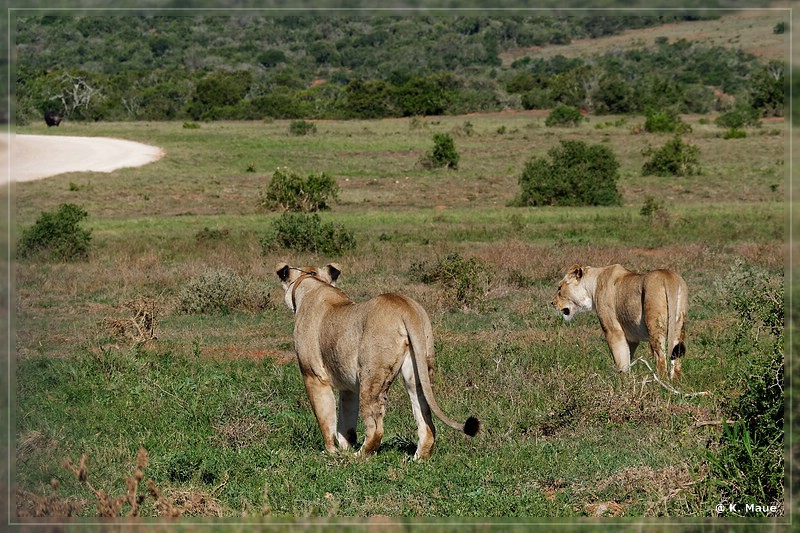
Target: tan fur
point(632, 308)
point(358, 349)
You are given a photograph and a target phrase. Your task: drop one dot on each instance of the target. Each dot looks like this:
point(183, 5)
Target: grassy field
point(217, 401)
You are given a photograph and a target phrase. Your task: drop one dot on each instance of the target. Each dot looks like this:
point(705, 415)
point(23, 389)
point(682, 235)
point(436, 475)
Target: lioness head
point(572, 296)
point(289, 274)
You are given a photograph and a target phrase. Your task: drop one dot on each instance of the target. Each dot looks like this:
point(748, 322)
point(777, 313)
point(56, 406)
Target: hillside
point(750, 31)
point(203, 68)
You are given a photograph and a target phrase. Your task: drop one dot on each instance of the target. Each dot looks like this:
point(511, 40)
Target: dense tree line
point(254, 67)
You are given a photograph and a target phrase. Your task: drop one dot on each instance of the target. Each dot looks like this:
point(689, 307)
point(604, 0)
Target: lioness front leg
point(323, 403)
point(348, 419)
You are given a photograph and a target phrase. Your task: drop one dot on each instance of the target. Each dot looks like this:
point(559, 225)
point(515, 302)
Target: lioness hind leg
point(426, 432)
point(620, 349)
point(657, 345)
point(372, 397)
point(348, 419)
point(323, 403)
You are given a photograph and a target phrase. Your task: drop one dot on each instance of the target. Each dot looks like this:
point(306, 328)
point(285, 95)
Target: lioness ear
point(333, 271)
point(282, 269)
point(576, 270)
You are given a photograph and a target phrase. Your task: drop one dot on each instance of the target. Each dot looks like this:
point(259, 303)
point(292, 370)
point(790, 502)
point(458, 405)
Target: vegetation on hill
point(341, 67)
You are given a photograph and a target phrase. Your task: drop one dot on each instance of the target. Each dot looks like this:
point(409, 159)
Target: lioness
point(359, 349)
point(631, 308)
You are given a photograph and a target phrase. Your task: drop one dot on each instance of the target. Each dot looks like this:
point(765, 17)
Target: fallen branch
point(667, 386)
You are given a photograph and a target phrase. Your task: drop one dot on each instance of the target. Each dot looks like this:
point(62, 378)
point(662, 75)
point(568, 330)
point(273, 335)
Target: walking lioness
point(631, 308)
point(358, 349)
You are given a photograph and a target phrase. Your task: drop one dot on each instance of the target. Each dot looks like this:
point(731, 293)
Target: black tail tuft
point(678, 351)
point(471, 426)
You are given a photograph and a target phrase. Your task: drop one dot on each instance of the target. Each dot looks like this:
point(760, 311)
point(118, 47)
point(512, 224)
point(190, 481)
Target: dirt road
point(33, 157)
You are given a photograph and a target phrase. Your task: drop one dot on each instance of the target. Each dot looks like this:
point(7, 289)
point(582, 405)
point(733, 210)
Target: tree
point(768, 90)
point(217, 90)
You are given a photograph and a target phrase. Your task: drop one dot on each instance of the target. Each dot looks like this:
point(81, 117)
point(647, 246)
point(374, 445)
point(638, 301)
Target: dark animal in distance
point(53, 118)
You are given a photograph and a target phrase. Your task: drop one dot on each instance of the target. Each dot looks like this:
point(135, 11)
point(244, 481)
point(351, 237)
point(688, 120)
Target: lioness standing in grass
point(632, 308)
point(359, 349)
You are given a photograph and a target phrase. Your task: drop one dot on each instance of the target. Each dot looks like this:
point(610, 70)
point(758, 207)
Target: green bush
point(466, 281)
point(564, 115)
point(301, 127)
point(443, 154)
point(307, 233)
point(577, 174)
point(219, 291)
point(57, 235)
point(665, 122)
point(741, 117)
point(288, 191)
point(734, 133)
point(675, 158)
point(748, 466)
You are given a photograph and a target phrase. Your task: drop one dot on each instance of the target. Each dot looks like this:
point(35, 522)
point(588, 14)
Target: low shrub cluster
point(675, 158)
point(577, 174)
point(665, 121)
point(307, 233)
point(302, 127)
point(288, 191)
point(564, 115)
point(443, 154)
point(219, 291)
point(57, 235)
point(466, 281)
point(748, 465)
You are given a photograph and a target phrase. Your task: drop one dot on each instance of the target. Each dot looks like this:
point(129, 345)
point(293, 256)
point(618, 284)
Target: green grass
point(217, 400)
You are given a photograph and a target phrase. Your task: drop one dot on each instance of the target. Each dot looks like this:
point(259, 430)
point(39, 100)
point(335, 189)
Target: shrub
point(443, 154)
point(219, 291)
point(675, 158)
point(577, 174)
point(288, 191)
point(57, 235)
point(466, 281)
point(738, 118)
point(307, 233)
point(748, 467)
point(734, 133)
point(665, 122)
point(564, 115)
point(301, 127)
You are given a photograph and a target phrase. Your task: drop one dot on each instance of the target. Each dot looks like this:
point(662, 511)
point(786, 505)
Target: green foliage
point(740, 117)
point(748, 467)
point(564, 115)
point(397, 67)
point(443, 154)
point(665, 122)
point(288, 191)
point(307, 233)
point(218, 291)
point(219, 91)
point(466, 281)
point(577, 174)
point(675, 158)
point(734, 133)
point(301, 127)
point(57, 235)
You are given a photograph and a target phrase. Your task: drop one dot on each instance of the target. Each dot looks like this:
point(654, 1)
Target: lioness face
point(572, 297)
point(289, 274)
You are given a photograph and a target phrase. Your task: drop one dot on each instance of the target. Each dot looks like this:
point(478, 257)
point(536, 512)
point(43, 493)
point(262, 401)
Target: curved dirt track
point(33, 157)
